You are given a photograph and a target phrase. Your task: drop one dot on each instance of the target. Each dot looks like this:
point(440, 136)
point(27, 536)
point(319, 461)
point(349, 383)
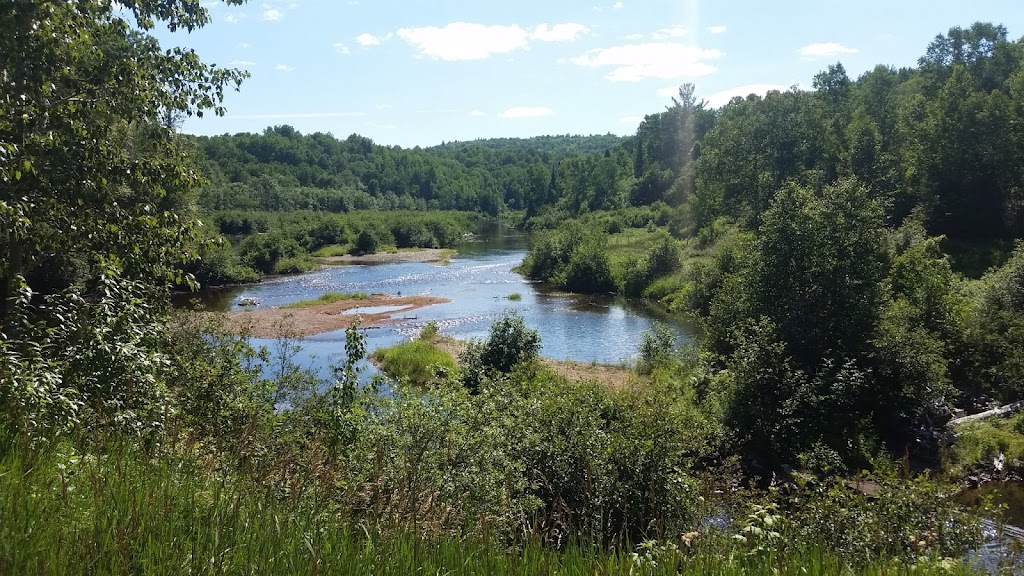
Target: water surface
point(479, 281)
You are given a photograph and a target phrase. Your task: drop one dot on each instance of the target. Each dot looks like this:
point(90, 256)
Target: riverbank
point(614, 377)
point(315, 318)
point(402, 255)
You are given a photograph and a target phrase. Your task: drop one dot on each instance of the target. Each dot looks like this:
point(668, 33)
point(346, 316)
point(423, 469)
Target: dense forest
point(849, 252)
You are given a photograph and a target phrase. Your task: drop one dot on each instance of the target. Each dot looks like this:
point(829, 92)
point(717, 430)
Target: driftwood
point(1007, 410)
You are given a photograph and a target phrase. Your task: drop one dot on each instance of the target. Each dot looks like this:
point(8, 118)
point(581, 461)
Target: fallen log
point(1007, 410)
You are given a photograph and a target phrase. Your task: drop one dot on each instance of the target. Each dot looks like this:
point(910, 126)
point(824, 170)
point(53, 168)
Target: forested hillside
point(282, 170)
point(806, 433)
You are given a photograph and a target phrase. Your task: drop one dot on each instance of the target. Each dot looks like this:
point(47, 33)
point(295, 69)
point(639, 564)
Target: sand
point(321, 318)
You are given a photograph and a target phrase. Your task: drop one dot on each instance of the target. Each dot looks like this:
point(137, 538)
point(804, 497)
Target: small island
point(328, 313)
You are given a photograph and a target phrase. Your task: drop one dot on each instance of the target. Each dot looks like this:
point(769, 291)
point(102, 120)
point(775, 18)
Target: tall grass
point(126, 513)
point(416, 362)
point(328, 298)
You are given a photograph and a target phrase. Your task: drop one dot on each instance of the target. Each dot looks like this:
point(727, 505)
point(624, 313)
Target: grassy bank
point(328, 298)
point(417, 362)
point(126, 512)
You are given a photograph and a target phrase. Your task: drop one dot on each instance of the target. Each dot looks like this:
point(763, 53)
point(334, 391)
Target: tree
point(94, 185)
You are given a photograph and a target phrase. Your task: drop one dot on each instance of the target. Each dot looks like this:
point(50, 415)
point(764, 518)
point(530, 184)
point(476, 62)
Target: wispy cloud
point(617, 5)
point(567, 32)
point(722, 29)
point(668, 33)
point(271, 14)
point(341, 49)
point(241, 63)
point(284, 68)
point(366, 40)
point(825, 50)
point(478, 113)
point(527, 112)
point(231, 18)
point(635, 62)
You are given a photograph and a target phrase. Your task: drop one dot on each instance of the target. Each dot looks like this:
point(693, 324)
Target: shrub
point(366, 243)
point(510, 343)
point(656, 348)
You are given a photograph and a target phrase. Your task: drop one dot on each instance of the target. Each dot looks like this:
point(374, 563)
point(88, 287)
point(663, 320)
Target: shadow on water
point(1002, 551)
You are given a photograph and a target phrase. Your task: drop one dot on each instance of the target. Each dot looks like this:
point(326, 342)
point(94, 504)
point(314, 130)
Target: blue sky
point(421, 72)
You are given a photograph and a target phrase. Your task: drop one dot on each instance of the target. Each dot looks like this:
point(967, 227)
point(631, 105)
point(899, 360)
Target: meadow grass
point(415, 362)
point(515, 297)
point(131, 513)
point(328, 298)
point(333, 250)
point(981, 441)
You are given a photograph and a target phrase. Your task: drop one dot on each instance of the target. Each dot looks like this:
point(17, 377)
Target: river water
point(478, 281)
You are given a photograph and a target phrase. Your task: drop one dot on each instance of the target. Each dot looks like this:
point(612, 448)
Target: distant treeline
point(281, 170)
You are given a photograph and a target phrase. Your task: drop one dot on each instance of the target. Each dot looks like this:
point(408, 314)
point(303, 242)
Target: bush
point(509, 344)
point(657, 346)
point(366, 243)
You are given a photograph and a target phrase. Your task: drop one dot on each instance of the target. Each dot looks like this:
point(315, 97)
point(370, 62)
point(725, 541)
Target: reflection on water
point(478, 282)
point(1000, 554)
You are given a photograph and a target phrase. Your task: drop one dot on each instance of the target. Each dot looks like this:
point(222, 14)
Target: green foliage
point(979, 443)
point(515, 297)
point(572, 258)
point(366, 243)
point(510, 343)
point(417, 362)
point(657, 346)
point(430, 331)
point(328, 298)
point(130, 511)
point(997, 329)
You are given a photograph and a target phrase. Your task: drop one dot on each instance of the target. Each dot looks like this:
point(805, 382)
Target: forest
point(851, 253)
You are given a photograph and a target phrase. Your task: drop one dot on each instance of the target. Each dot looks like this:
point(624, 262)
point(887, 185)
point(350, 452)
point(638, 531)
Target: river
point(584, 328)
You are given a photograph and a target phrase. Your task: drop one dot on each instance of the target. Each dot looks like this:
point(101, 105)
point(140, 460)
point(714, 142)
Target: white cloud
point(633, 37)
point(295, 116)
point(231, 18)
point(567, 32)
point(464, 41)
point(634, 62)
point(478, 113)
point(617, 5)
point(634, 120)
point(366, 40)
point(719, 99)
point(383, 106)
point(526, 112)
point(244, 46)
point(718, 29)
point(341, 49)
point(241, 63)
point(825, 50)
point(666, 33)
point(271, 14)
point(284, 68)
